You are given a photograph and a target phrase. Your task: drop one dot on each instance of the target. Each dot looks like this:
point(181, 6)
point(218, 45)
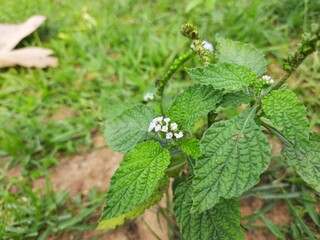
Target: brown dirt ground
point(79, 173)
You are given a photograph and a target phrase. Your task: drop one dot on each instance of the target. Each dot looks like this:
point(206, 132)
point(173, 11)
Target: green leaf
point(113, 222)
point(136, 179)
point(285, 110)
point(129, 128)
point(193, 103)
point(234, 99)
point(224, 76)
point(246, 55)
point(191, 146)
point(235, 153)
point(220, 222)
point(305, 159)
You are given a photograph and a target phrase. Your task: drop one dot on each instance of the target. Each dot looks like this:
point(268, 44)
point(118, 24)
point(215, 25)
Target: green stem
point(191, 166)
point(282, 81)
point(276, 133)
point(178, 62)
point(285, 77)
point(289, 71)
point(175, 167)
point(309, 44)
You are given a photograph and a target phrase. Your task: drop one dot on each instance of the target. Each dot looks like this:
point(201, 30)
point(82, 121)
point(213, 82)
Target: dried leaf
point(28, 57)
point(12, 34)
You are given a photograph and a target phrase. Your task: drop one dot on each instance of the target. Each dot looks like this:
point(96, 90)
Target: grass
point(110, 53)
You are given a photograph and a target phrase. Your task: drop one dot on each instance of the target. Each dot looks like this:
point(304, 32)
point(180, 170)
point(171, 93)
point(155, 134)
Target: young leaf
point(129, 128)
point(191, 146)
point(285, 110)
point(234, 99)
point(220, 222)
point(229, 51)
point(193, 103)
point(235, 153)
point(305, 159)
point(111, 223)
point(136, 179)
point(224, 76)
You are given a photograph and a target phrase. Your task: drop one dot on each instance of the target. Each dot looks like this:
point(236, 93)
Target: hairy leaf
point(224, 76)
point(235, 153)
point(129, 128)
point(305, 159)
point(191, 146)
point(234, 99)
point(193, 103)
point(220, 222)
point(136, 179)
point(113, 222)
point(284, 109)
point(229, 51)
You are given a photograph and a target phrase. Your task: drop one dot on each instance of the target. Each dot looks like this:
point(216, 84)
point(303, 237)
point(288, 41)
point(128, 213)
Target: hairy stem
point(309, 44)
point(275, 132)
point(178, 62)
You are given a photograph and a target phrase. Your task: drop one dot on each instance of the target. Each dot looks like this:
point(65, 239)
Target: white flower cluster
point(267, 79)
point(207, 45)
point(148, 97)
point(161, 124)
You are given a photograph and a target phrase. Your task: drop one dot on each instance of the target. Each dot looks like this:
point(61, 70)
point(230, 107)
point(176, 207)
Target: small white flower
point(159, 119)
point(148, 96)
point(152, 126)
point(157, 128)
point(173, 126)
point(164, 129)
point(169, 135)
point(166, 120)
point(267, 79)
point(178, 135)
point(208, 46)
point(161, 124)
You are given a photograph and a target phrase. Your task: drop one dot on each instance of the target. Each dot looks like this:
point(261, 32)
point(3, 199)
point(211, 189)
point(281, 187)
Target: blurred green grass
point(113, 51)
